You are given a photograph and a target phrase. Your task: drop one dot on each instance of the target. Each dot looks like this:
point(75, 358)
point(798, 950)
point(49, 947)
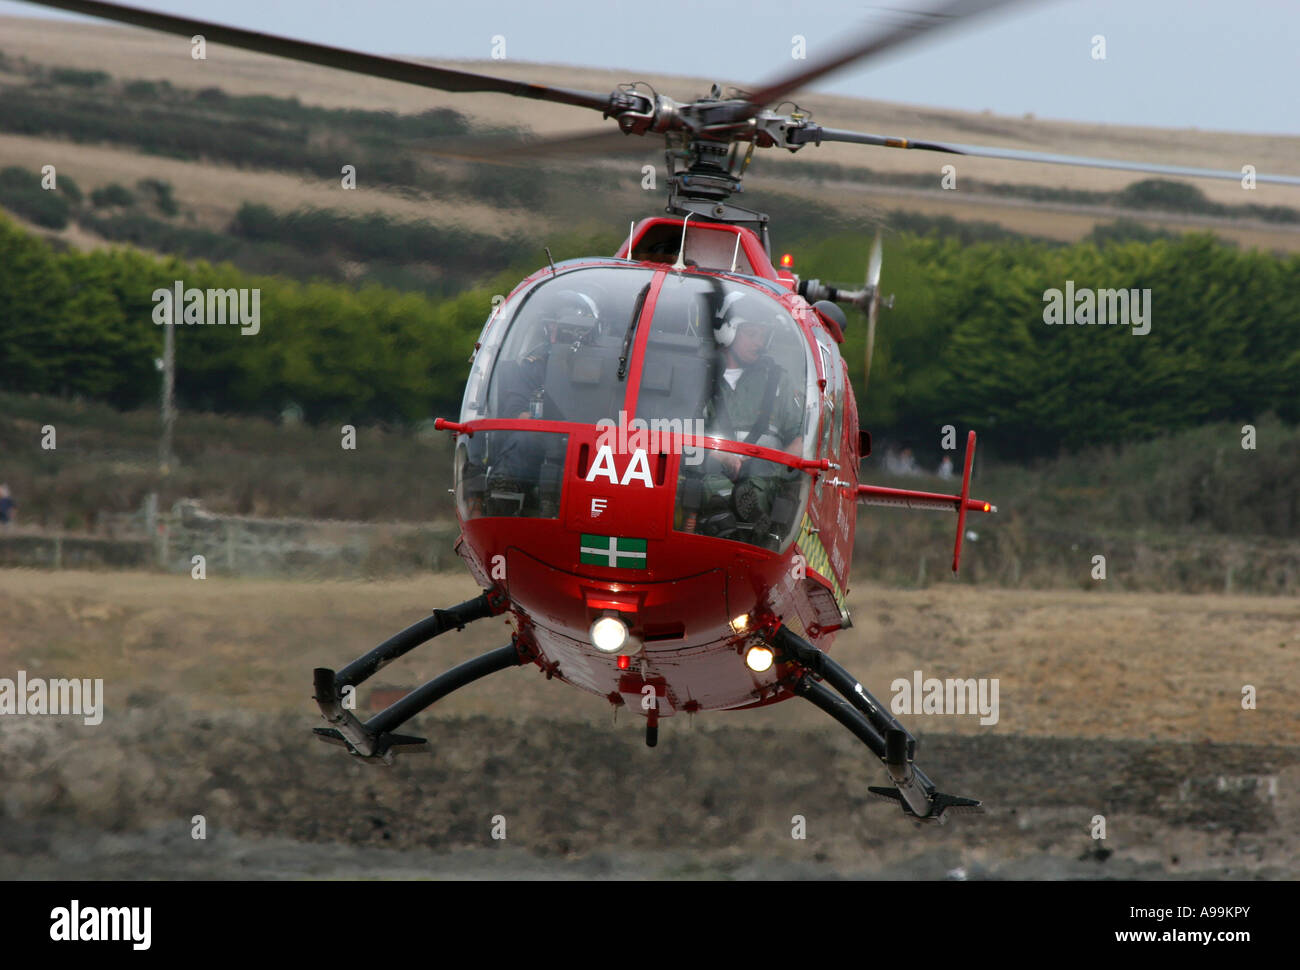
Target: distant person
point(907, 463)
point(7, 507)
point(945, 467)
point(892, 465)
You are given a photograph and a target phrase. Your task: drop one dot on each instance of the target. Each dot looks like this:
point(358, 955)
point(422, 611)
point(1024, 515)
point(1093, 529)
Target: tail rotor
point(867, 299)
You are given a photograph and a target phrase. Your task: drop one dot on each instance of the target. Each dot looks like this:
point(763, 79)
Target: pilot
point(754, 401)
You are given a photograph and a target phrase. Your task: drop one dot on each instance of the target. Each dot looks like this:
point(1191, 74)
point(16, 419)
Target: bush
point(373, 237)
point(20, 190)
point(1163, 194)
point(78, 79)
point(1126, 230)
point(161, 194)
point(111, 195)
point(144, 90)
point(70, 189)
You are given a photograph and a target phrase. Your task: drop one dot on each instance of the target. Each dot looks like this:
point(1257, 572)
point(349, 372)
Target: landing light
point(758, 659)
point(608, 634)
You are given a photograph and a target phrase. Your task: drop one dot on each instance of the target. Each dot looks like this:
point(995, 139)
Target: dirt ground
point(1121, 705)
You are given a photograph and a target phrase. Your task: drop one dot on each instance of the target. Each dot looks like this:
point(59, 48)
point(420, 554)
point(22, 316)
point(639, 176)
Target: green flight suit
point(733, 413)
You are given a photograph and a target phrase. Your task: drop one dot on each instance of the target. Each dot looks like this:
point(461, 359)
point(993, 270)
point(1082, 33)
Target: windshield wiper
point(631, 330)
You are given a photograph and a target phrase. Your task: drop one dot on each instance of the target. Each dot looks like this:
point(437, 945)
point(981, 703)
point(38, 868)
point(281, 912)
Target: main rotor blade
point(913, 24)
point(371, 65)
point(1017, 155)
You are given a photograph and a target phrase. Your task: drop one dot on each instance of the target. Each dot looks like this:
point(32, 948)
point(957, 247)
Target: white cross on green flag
point(612, 551)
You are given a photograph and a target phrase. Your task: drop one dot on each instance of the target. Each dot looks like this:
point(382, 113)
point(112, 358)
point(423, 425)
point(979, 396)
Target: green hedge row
point(966, 343)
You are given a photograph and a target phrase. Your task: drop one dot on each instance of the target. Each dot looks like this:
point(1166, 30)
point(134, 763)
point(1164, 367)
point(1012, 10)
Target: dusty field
point(1121, 705)
point(216, 192)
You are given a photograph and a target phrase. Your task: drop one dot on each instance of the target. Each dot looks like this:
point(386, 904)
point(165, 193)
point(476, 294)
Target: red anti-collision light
point(624, 661)
point(787, 261)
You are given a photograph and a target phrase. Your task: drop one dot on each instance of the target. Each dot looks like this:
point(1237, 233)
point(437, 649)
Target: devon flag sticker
point(612, 551)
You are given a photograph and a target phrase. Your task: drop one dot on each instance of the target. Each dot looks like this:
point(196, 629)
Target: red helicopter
point(656, 461)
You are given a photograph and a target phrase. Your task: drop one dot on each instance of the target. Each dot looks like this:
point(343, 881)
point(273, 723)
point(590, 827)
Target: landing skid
point(374, 741)
point(873, 725)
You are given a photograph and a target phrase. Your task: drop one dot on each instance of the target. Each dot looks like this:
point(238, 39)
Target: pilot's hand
point(730, 463)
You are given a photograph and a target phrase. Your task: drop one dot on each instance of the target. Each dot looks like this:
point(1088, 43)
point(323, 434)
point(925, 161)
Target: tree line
point(966, 343)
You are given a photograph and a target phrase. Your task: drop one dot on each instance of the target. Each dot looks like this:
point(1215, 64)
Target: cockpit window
point(555, 353)
point(727, 361)
point(731, 360)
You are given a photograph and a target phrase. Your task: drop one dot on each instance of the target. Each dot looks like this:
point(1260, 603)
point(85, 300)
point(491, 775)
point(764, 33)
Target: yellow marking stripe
point(818, 559)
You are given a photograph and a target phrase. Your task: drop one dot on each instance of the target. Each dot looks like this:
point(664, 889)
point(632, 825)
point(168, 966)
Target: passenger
point(521, 381)
point(513, 472)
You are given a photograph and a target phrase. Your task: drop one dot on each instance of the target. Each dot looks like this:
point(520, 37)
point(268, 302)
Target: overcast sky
point(1231, 65)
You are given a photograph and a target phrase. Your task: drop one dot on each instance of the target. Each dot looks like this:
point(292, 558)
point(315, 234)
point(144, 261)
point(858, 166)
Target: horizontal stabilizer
point(906, 498)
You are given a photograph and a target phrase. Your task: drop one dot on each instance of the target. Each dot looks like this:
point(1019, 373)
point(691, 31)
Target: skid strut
point(374, 740)
point(873, 725)
point(402, 643)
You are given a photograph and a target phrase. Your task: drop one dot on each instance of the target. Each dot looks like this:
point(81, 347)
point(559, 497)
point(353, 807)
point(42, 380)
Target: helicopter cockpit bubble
point(561, 337)
point(727, 354)
point(721, 358)
point(551, 354)
point(728, 361)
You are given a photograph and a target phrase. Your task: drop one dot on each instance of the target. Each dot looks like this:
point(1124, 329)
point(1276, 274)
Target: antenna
point(631, 228)
point(681, 263)
point(736, 252)
point(550, 259)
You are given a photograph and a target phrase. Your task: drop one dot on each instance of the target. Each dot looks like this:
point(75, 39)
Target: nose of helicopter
point(618, 554)
point(622, 544)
